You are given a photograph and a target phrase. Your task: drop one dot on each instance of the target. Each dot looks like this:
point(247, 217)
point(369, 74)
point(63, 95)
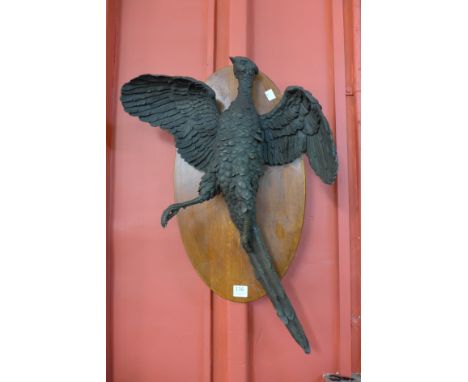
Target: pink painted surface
point(159, 303)
point(165, 325)
point(301, 54)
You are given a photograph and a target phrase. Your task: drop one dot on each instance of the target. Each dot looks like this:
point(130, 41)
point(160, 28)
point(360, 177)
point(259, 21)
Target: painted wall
point(164, 323)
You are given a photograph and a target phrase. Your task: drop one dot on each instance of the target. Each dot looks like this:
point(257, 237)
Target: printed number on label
point(240, 291)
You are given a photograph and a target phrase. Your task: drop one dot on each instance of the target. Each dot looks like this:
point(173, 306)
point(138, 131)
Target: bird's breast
point(239, 150)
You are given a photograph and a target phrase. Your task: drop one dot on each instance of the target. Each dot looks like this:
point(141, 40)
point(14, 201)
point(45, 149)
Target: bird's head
point(243, 67)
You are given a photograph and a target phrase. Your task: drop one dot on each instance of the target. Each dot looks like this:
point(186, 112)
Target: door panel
point(158, 300)
point(291, 44)
point(164, 323)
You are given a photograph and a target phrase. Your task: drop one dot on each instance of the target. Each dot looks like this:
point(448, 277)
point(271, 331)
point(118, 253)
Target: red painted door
point(164, 324)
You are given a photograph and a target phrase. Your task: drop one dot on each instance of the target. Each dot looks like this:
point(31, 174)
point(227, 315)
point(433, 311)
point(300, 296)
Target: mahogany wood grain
point(211, 241)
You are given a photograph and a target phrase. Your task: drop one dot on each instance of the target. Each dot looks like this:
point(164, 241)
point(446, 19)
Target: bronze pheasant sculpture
point(232, 148)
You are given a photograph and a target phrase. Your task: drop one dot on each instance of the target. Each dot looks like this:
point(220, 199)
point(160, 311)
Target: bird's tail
point(268, 276)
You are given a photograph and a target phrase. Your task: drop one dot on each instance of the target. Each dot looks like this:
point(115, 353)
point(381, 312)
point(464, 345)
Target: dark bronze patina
point(232, 148)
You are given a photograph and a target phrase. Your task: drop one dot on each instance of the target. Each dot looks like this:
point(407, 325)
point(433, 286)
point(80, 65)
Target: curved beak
point(232, 60)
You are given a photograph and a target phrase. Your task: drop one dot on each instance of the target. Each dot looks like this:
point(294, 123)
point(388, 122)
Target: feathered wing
point(183, 106)
point(297, 125)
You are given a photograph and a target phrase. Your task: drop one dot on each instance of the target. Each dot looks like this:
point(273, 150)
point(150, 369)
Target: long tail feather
point(268, 276)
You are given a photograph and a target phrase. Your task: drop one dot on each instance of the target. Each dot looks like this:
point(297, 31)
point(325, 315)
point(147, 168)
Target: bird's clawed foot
point(169, 213)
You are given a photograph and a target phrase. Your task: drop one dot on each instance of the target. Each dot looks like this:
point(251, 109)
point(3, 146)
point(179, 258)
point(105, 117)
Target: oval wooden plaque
point(210, 238)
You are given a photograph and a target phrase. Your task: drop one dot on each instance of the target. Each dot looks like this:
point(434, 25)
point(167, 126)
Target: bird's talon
point(167, 215)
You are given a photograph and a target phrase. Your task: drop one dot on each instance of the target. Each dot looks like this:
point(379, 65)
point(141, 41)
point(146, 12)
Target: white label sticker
point(240, 291)
point(270, 95)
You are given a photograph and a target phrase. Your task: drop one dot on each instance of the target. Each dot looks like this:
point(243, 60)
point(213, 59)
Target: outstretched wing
point(183, 106)
point(295, 126)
